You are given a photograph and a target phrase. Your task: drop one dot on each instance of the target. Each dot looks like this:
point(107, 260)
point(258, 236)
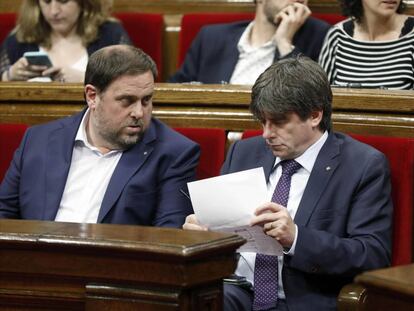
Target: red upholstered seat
point(145, 31)
point(192, 23)
point(10, 137)
point(400, 154)
point(251, 133)
point(7, 23)
point(213, 147)
point(330, 18)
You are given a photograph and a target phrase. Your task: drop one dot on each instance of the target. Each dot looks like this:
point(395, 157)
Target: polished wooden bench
point(380, 290)
point(67, 266)
point(361, 111)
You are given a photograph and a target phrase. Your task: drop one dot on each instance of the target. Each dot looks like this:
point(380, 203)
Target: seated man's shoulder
point(170, 137)
point(111, 29)
point(317, 24)
point(357, 150)
point(51, 126)
point(223, 29)
point(250, 144)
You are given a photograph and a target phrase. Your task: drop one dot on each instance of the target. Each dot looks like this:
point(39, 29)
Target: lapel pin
point(145, 152)
point(328, 168)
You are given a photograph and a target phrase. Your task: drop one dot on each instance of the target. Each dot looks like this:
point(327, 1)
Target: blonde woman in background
point(67, 30)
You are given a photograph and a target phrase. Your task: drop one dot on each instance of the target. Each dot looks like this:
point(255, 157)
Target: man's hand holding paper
point(228, 203)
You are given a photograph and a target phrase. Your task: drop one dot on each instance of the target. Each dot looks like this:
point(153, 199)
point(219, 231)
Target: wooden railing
point(380, 290)
point(378, 112)
point(67, 266)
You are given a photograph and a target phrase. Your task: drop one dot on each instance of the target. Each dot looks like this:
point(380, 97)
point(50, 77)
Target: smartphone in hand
point(38, 58)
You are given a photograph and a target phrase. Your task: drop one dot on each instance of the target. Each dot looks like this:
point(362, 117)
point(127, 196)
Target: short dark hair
point(109, 63)
point(297, 85)
point(353, 8)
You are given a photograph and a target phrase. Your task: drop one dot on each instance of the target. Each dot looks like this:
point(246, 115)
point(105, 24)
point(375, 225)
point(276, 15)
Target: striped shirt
point(369, 64)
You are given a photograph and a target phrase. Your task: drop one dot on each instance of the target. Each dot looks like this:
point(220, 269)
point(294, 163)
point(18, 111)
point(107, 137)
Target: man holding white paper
point(336, 217)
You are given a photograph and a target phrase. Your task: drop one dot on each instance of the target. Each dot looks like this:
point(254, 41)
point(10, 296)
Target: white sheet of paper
point(227, 203)
point(228, 200)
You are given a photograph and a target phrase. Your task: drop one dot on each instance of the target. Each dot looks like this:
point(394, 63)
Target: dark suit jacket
point(344, 218)
point(144, 188)
point(213, 55)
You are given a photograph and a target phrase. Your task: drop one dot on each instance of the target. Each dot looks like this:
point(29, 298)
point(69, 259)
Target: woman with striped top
point(374, 48)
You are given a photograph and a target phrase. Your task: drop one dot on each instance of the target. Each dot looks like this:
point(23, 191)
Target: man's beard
point(115, 139)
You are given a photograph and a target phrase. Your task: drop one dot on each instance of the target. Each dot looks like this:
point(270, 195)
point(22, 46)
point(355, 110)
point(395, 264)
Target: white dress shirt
point(89, 175)
point(252, 60)
point(299, 181)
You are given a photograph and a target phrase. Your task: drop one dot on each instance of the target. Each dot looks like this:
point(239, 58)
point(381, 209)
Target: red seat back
point(7, 23)
point(330, 18)
point(192, 23)
point(145, 31)
point(213, 147)
point(400, 154)
point(10, 137)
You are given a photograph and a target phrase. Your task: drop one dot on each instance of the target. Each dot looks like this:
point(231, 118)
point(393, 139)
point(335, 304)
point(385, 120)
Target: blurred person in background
point(237, 53)
point(67, 30)
point(371, 49)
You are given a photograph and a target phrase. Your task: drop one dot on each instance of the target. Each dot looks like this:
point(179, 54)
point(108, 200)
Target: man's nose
point(267, 130)
point(137, 111)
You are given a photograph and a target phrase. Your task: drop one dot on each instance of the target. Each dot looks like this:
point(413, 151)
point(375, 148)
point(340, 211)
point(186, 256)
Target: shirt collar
point(308, 158)
point(244, 45)
point(81, 134)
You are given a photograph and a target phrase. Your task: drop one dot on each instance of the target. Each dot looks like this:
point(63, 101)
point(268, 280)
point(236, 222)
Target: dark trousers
point(237, 298)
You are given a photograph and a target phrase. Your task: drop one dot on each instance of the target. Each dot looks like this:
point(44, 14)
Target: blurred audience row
point(372, 48)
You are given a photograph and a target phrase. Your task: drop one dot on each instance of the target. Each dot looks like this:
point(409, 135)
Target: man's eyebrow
point(126, 96)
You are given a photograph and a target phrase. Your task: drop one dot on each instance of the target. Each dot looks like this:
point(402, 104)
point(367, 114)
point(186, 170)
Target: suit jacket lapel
point(130, 162)
point(58, 160)
point(326, 163)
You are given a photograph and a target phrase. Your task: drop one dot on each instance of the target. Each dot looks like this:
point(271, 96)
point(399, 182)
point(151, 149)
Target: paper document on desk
point(227, 203)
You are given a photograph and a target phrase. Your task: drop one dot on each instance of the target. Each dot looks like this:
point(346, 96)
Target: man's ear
point(316, 117)
point(91, 95)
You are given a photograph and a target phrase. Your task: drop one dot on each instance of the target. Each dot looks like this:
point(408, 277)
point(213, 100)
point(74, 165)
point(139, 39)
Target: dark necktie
point(266, 266)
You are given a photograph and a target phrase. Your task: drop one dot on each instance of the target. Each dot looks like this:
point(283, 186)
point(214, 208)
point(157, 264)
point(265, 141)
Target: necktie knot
point(289, 167)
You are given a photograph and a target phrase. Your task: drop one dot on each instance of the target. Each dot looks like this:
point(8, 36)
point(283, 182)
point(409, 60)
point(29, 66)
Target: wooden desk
point(65, 266)
point(377, 112)
point(380, 290)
